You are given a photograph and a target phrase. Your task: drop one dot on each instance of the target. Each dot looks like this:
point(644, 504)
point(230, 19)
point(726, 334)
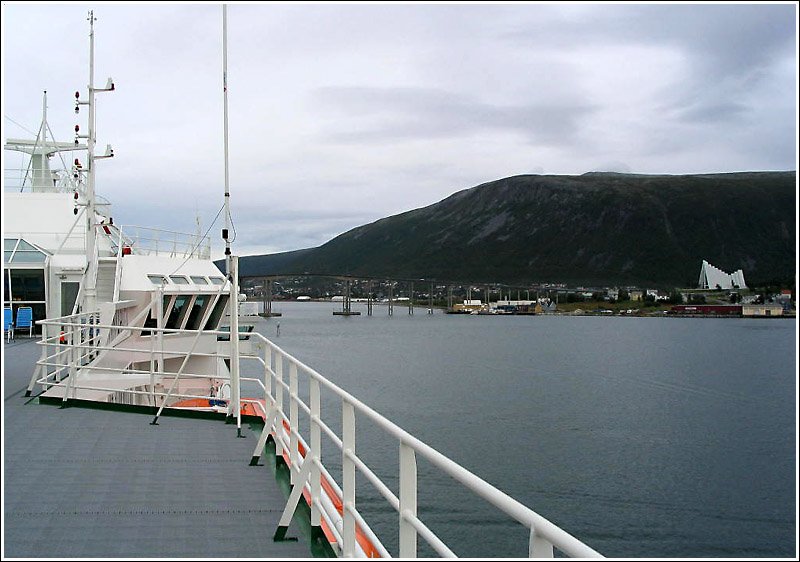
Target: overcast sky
point(344, 114)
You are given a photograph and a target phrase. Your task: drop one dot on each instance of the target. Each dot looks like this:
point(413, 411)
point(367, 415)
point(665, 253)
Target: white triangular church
point(712, 278)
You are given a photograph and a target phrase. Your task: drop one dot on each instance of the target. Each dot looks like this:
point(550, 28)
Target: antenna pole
point(226, 230)
point(44, 121)
point(90, 300)
point(231, 262)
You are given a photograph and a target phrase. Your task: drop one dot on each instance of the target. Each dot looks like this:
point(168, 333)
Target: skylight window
point(18, 251)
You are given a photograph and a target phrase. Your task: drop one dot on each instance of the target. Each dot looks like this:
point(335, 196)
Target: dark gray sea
point(643, 437)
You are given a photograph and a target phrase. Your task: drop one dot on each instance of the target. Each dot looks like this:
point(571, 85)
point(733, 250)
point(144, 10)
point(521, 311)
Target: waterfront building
point(762, 310)
point(714, 278)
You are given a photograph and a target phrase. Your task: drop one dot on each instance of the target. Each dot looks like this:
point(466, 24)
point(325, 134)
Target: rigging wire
point(191, 253)
point(24, 128)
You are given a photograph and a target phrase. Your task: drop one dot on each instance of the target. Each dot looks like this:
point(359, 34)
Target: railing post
point(160, 327)
point(539, 547)
point(41, 367)
point(294, 453)
point(153, 357)
point(72, 361)
point(279, 404)
point(315, 454)
point(57, 373)
point(268, 355)
point(348, 480)
point(234, 312)
point(408, 501)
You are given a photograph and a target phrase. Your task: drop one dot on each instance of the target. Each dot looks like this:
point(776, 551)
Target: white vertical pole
point(279, 403)
point(408, 501)
point(314, 456)
point(269, 399)
point(294, 453)
point(73, 371)
point(226, 231)
point(234, 311)
point(153, 306)
point(43, 369)
point(90, 293)
point(539, 547)
point(160, 327)
point(348, 480)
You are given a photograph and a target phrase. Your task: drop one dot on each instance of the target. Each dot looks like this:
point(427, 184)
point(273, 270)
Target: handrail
point(542, 530)
point(155, 241)
point(81, 333)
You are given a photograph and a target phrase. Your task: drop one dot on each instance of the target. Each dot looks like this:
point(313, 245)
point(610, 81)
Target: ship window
point(25, 256)
point(151, 321)
point(157, 279)
point(179, 308)
point(199, 280)
point(217, 280)
point(197, 311)
point(179, 279)
point(216, 314)
point(27, 284)
point(26, 247)
point(17, 250)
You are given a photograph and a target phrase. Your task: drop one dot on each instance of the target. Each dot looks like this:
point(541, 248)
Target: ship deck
point(86, 482)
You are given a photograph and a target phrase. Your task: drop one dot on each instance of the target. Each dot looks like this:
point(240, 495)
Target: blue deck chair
point(8, 323)
point(25, 319)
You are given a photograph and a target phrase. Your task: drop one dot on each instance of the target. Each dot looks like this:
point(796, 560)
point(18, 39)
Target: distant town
point(718, 294)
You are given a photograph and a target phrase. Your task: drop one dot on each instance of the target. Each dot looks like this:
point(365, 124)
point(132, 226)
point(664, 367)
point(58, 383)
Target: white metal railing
point(22, 180)
point(71, 343)
point(153, 241)
point(543, 535)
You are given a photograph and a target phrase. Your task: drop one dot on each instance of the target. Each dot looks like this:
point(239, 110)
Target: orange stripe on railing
point(248, 408)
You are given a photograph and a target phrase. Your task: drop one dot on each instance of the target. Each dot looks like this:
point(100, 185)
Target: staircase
point(106, 277)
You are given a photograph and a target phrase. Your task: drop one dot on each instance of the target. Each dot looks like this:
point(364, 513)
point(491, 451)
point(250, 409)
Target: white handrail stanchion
point(236, 390)
point(348, 479)
point(408, 501)
point(278, 403)
point(315, 454)
point(294, 426)
point(539, 547)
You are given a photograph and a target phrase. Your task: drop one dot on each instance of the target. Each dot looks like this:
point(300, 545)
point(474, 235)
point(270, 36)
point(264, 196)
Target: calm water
point(643, 437)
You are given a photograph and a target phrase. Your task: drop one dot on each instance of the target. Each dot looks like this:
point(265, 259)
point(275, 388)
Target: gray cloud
point(390, 114)
point(341, 114)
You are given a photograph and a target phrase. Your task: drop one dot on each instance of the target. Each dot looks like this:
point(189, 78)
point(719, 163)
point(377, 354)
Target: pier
point(378, 292)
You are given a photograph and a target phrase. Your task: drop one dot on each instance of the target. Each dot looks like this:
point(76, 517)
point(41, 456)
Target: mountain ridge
point(595, 228)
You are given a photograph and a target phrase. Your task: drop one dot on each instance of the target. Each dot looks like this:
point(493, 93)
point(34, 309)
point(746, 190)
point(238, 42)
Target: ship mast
point(231, 262)
point(226, 229)
point(90, 287)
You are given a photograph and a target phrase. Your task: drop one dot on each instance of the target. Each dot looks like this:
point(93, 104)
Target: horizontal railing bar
point(376, 542)
point(137, 372)
point(131, 391)
point(428, 535)
point(382, 488)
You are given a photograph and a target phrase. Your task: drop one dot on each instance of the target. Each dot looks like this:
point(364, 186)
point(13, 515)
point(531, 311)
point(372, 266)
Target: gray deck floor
point(81, 482)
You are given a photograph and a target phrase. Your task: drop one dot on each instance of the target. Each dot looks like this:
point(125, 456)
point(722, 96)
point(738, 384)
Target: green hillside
point(598, 228)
